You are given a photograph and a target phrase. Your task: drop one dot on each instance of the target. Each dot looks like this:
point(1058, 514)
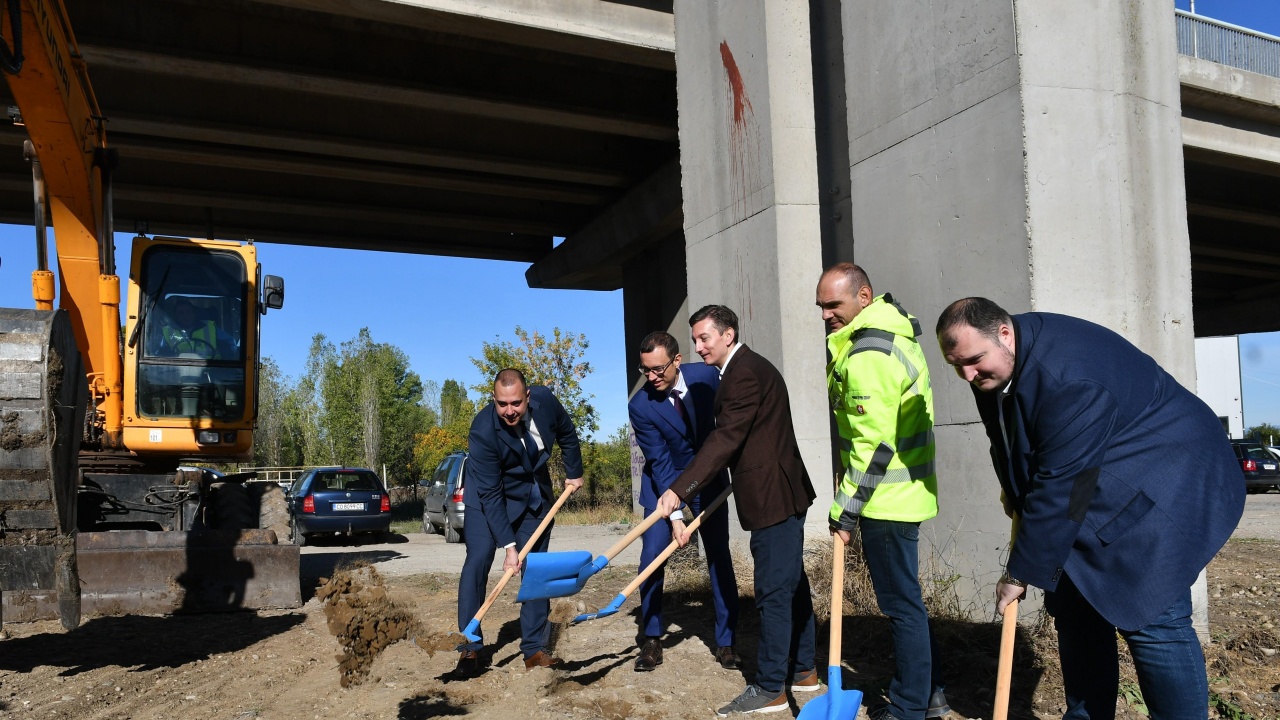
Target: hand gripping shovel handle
point(671, 548)
point(533, 540)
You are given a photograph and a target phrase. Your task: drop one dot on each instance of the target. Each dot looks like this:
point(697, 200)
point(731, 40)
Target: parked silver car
point(442, 510)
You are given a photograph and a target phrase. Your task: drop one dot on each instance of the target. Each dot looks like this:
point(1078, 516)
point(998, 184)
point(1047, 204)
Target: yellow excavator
point(98, 509)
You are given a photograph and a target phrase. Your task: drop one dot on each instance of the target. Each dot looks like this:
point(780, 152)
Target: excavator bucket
point(42, 402)
point(139, 572)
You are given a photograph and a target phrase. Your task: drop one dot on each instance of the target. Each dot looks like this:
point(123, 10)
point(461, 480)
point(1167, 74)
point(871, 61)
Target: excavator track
point(42, 404)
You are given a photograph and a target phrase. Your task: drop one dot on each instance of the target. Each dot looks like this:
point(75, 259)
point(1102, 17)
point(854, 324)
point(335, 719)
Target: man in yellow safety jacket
point(185, 333)
point(878, 386)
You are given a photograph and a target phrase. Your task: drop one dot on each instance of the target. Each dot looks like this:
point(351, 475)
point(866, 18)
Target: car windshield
point(344, 480)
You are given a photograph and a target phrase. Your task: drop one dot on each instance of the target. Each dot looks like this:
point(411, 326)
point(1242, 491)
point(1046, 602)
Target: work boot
point(728, 658)
point(650, 655)
point(937, 705)
point(468, 664)
point(540, 659)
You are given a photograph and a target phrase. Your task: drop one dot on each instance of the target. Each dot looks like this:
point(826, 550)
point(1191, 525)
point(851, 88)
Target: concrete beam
point(592, 258)
point(1233, 214)
point(373, 215)
point(1214, 86)
point(617, 31)
point(99, 56)
point(363, 150)
point(1235, 142)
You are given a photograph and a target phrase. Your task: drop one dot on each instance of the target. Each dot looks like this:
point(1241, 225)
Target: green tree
point(607, 470)
point(455, 407)
point(555, 362)
point(270, 436)
point(1264, 433)
point(433, 445)
point(370, 405)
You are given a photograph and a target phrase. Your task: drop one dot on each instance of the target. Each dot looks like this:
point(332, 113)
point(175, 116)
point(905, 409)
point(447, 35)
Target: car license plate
point(348, 506)
point(1266, 466)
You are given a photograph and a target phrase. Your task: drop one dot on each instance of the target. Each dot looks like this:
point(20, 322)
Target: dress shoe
point(938, 706)
point(468, 663)
point(650, 655)
point(540, 659)
point(728, 658)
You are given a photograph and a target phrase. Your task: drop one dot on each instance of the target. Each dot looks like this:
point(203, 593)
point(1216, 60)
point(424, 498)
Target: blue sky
point(440, 310)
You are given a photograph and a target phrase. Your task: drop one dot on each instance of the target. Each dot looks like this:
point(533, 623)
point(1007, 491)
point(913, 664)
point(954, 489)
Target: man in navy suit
point(508, 494)
point(671, 416)
point(1125, 487)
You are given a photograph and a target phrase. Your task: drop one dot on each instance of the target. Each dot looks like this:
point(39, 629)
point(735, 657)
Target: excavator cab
point(191, 347)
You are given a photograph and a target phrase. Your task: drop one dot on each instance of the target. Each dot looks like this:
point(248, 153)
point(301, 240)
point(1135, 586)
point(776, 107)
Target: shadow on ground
point(142, 643)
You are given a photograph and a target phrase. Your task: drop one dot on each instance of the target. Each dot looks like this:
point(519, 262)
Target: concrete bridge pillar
point(1025, 151)
point(749, 177)
point(1029, 152)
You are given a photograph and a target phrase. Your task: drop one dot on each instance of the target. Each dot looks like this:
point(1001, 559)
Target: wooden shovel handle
point(630, 537)
point(1008, 633)
point(1004, 669)
point(837, 599)
point(671, 548)
point(533, 540)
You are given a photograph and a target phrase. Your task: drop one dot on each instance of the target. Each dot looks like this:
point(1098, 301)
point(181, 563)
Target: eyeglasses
point(656, 370)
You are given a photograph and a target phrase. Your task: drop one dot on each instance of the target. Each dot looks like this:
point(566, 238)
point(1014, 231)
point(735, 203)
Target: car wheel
point(299, 538)
point(428, 527)
point(451, 535)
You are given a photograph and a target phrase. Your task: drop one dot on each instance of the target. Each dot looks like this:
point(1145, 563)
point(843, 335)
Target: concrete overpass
point(1029, 152)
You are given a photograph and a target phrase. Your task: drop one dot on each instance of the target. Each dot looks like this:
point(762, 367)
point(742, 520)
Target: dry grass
point(599, 514)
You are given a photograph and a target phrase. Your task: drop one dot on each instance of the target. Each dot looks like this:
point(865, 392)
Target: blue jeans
point(785, 603)
point(892, 552)
point(1166, 655)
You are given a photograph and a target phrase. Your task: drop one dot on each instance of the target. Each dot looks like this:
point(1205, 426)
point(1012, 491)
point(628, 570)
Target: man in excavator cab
point(184, 332)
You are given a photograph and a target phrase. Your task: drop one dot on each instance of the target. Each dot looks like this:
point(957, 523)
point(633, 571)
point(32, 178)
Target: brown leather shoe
point(468, 663)
point(650, 655)
point(728, 658)
point(540, 659)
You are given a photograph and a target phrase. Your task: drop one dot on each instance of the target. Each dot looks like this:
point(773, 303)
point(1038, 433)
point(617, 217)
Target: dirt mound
point(364, 619)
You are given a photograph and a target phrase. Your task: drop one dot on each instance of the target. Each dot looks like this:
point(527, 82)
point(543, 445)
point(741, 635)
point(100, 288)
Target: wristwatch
point(1008, 579)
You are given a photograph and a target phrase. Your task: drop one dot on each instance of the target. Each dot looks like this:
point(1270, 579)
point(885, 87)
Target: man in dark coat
point(755, 439)
point(508, 493)
point(1125, 487)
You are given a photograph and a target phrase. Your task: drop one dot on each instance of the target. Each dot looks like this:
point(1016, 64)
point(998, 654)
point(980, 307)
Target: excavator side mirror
point(272, 293)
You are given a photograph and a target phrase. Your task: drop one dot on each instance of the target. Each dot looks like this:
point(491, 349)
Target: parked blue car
point(338, 500)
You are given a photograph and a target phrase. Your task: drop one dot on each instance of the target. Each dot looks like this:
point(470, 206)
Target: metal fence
point(1228, 44)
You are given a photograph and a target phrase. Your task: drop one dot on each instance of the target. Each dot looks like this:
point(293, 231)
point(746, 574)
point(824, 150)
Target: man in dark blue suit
point(508, 494)
point(1125, 487)
point(671, 416)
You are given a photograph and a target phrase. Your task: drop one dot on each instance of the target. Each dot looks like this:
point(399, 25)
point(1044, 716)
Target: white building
point(1218, 380)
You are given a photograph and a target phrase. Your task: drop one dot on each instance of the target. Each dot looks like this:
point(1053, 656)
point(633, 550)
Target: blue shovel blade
point(552, 574)
point(836, 704)
point(472, 631)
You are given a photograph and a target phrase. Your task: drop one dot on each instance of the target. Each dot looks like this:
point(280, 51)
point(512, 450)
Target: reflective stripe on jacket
point(878, 387)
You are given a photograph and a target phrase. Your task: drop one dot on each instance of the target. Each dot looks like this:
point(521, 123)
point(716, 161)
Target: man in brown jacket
point(755, 439)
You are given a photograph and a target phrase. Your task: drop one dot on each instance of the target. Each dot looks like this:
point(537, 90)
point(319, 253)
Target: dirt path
point(285, 666)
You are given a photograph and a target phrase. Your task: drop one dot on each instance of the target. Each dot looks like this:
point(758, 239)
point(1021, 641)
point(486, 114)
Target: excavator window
point(193, 326)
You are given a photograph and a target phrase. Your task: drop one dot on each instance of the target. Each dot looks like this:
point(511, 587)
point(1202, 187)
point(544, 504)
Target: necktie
point(680, 409)
point(531, 449)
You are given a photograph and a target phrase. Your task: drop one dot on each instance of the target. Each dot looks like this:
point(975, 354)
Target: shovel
point(616, 604)
point(472, 631)
point(557, 574)
point(837, 703)
point(1004, 667)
